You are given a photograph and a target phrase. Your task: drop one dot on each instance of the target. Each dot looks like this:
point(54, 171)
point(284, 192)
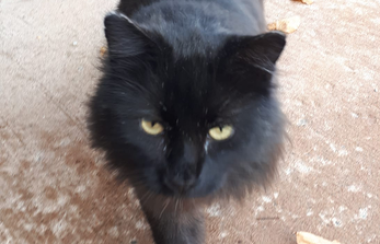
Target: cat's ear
point(250, 60)
point(268, 46)
point(125, 39)
point(256, 50)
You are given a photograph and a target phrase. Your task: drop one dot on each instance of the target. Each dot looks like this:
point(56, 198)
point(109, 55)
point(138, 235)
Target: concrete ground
point(53, 188)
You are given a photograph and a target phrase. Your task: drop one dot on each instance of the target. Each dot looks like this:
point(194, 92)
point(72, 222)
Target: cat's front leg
point(174, 222)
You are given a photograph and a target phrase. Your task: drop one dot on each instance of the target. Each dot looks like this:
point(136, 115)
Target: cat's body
point(186, 109)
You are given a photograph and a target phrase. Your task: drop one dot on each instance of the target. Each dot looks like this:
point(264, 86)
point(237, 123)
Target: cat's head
point(190, 125)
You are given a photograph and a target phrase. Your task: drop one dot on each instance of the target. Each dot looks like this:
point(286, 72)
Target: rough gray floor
point(53, 188)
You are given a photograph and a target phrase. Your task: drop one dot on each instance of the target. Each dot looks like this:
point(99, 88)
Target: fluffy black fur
point(190, 65)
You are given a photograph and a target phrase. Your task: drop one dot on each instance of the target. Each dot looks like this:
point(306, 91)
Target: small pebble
point(363, 213)
point(103, 51)
point(302, 122)
point(75, 43)
point(359, 149)
point(337, 222)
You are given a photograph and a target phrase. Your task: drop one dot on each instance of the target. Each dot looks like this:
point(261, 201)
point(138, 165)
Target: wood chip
point(287, 26)
point(308, 238)
point(308, 2)
point(103, 51)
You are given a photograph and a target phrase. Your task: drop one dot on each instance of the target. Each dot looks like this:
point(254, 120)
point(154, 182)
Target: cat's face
point(187, 126)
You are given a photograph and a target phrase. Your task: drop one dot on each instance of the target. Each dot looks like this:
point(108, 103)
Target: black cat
point(186, 109)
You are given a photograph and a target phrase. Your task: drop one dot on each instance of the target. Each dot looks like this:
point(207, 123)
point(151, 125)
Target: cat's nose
point(180, 184)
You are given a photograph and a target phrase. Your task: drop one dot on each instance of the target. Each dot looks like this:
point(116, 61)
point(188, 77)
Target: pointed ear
point(268, 46)
point(261, 51)
point(125, 39)
point(248, 62)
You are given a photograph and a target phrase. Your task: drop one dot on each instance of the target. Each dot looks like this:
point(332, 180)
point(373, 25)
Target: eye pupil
point(151, 127)
point(220, 133)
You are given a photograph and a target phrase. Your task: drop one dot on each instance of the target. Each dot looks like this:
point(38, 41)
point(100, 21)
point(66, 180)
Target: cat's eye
point(220, 133)
point(151, 128)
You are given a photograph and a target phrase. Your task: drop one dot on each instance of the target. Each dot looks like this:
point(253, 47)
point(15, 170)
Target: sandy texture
point(53, 188)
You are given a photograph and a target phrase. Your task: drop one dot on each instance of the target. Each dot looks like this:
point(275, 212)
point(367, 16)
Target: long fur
point(191, 66)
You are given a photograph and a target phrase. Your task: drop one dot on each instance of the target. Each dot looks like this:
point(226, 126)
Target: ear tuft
point(124, 37)
point(269, 45)
point(261, 51)
point(248, 62)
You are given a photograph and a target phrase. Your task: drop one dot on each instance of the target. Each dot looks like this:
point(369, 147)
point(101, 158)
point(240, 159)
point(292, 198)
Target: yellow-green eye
point(151, 128)
point(221, 133)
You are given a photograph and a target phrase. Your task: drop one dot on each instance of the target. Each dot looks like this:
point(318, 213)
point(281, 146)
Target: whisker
point(176, 205)
point(164, 208)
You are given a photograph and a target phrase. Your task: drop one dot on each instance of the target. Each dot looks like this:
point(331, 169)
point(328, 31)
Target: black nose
point(180, 184)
